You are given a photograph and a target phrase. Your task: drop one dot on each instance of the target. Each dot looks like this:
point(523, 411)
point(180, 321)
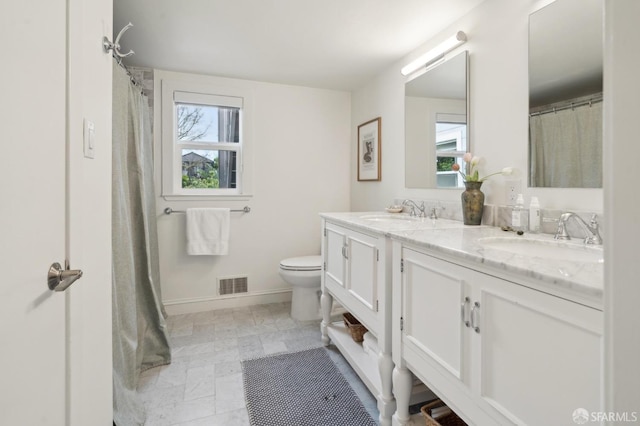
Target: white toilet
point(303, 273)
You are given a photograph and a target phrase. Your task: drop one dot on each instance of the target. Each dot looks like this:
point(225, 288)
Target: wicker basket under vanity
point(356, 330)
point(450, 419)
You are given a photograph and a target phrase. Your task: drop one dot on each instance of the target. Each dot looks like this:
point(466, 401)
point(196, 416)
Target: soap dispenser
point(534, 215)
point(518, 216)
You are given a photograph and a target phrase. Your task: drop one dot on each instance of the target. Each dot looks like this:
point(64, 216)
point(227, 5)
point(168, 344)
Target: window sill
point(191, 197)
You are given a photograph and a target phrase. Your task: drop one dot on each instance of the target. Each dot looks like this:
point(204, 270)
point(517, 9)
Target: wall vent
point(233, 285)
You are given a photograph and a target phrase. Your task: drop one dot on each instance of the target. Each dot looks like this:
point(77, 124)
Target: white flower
point(472, 174)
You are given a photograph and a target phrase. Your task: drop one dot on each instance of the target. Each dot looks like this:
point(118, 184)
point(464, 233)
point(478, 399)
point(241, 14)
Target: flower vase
point(472, 203)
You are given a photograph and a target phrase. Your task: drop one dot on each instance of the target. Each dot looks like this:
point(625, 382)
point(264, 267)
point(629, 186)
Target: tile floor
point(203, 384)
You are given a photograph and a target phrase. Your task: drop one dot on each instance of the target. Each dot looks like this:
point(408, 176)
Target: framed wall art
point(369, 150)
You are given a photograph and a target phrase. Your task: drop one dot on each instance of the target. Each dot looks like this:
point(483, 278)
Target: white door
point(47, 338)
point(32, 184)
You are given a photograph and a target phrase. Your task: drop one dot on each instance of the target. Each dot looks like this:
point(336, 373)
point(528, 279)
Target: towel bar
point(169, 210)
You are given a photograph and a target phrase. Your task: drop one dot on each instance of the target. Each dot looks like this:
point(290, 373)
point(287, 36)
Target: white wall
point(89, 185)
point(621, 152)
point(497, 31)
point(300, 168)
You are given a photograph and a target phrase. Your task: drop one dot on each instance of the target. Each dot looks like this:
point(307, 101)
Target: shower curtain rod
point(133, 79)
point(568, 105)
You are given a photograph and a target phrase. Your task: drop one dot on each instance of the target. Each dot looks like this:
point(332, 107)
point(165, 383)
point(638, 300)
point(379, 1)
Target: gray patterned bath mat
point(300, 389)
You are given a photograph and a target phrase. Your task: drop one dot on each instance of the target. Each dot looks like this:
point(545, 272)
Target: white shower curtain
point(140, 338)
point(566, 148)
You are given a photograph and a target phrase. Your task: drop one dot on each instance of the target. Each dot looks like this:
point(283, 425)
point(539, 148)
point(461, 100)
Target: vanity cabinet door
point(351, 270)
point(334, 255)
point(362, 268)
point(432, 297)
point(539, 355)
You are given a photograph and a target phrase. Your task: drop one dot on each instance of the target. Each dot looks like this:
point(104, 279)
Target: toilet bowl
point(303, 273)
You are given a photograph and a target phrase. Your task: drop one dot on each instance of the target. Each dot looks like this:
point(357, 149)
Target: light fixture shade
point(436, 53)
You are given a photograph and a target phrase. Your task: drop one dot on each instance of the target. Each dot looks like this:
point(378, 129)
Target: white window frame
point(197, 92)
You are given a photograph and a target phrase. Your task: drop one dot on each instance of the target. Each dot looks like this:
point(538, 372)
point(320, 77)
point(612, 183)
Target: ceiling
point(333, 44)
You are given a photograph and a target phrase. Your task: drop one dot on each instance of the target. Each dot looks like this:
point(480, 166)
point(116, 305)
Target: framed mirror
point(565, 94)
point(436, 123)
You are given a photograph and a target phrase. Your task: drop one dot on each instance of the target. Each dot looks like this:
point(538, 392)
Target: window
point(451, 136)
point(203, 141)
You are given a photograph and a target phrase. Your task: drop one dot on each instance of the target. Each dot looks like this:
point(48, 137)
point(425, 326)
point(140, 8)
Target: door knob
point(59, 279)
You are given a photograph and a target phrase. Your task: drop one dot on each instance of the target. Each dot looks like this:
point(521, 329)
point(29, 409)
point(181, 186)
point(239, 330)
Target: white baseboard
point(188, 306)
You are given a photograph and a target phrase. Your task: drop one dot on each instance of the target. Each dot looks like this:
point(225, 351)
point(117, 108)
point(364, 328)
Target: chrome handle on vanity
point(345, 251)
point(59, 279)
point(474, 311)
point(464, 311)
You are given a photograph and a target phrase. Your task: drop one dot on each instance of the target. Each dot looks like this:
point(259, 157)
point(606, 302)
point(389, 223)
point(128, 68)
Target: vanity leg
point(402, 384)
point(326, 304)
point(386, 403)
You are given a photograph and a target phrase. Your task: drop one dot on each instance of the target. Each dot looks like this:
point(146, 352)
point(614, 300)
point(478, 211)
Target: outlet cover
point(512, 187)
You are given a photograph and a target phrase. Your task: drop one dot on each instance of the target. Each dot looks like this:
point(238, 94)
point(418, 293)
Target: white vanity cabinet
point(497, 351)
point(356, 274)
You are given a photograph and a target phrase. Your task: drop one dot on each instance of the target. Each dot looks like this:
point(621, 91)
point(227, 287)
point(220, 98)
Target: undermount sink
point(545, 249)
point(389, 217)
point(398, 222)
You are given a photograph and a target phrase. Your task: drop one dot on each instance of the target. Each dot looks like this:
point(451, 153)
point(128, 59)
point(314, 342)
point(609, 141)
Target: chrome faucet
point(420, 208)
point(591, 229)
point(434, 213)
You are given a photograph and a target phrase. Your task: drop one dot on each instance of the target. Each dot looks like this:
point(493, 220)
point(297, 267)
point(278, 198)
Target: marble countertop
point(580, 276)
point(389, 223)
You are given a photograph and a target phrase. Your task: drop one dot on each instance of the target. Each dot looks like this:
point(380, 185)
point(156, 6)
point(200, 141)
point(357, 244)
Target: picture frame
point(369, 158)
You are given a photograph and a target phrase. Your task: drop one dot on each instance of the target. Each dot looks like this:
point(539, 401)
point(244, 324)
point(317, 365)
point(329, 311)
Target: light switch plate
point(89, 136)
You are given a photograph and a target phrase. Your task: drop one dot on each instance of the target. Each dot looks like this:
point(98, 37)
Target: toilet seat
point(303, 263)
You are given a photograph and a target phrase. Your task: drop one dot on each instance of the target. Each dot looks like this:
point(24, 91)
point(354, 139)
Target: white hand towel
point(208, 231)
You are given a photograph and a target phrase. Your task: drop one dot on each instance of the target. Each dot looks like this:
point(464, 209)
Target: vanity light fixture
point(435, 54)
